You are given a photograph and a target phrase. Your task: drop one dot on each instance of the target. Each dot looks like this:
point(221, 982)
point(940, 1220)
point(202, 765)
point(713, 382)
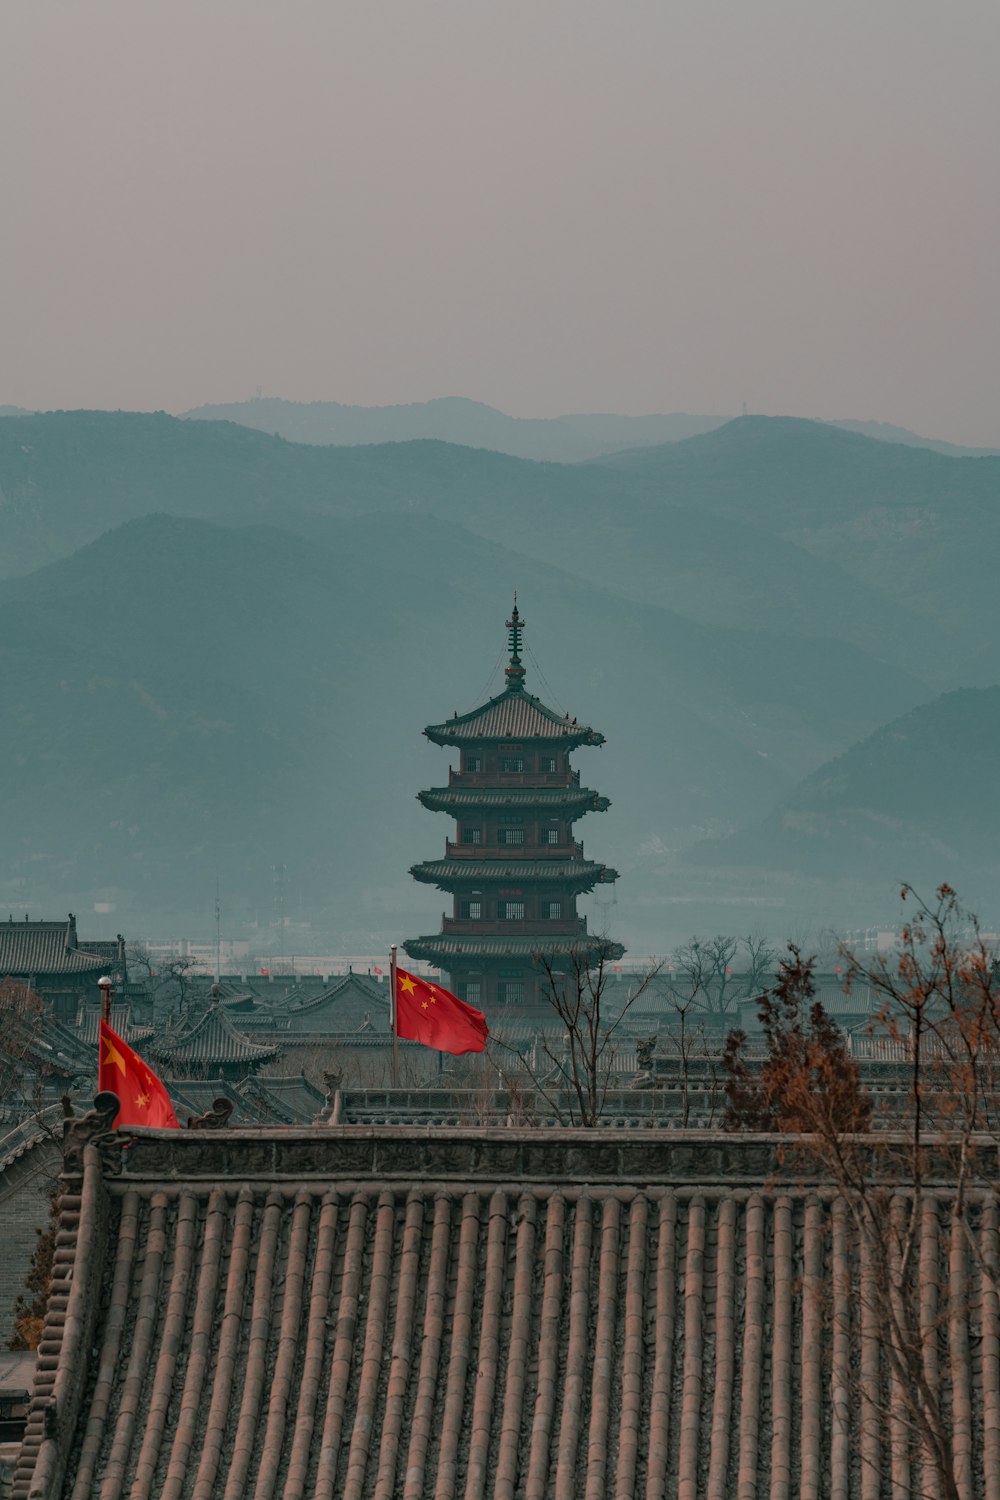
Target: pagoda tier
point(514, 868)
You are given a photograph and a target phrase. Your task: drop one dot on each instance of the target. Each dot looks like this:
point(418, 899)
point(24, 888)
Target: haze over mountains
point(218, 650)
point(456, 419)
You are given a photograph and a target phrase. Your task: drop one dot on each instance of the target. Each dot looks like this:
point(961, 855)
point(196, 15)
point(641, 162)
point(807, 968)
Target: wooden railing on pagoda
point(539, 927)
point(499, 781)
point(512, 852)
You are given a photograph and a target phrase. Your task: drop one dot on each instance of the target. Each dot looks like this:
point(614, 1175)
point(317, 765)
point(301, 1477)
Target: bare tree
point(584, 1058)
point(941, 1021)
point(170, 982)
point(22, 1065)
point(716, 973)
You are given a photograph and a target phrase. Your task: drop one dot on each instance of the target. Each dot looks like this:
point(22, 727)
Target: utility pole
point(279, 872)
point(218, 932)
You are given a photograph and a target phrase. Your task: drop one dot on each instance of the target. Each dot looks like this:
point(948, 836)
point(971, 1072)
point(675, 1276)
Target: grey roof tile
point(513, 716)
point(529, 1313)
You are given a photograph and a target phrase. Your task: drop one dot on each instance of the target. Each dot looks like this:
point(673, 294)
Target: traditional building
point(51, 960)
point(514, 870)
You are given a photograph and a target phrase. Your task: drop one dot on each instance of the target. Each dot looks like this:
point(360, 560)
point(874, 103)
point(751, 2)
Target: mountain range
point(456, 419)
point(218, 648)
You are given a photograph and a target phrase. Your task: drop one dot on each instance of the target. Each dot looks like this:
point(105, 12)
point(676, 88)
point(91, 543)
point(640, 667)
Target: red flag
point(144, 1100)
point(429, 1014)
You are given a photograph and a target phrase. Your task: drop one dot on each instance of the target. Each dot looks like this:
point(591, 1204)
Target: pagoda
point(514, 870)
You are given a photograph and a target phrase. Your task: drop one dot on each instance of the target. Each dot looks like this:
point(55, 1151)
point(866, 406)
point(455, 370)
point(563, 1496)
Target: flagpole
point(392, 1012)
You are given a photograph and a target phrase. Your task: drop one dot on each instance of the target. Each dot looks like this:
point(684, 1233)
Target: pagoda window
point(473, 991)
point(512, 765)
point(550, 763)
point(471, 909)
point(473, 763)
point(512, 911)
point(511, 991)
point(472, 835)
point(510, 836)
point(552, 835)
point(552, 910)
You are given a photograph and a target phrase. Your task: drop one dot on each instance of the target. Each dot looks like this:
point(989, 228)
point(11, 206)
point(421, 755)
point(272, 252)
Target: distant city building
point(514, 871)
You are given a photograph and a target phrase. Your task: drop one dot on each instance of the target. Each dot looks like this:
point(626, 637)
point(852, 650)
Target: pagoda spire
point(514, 672)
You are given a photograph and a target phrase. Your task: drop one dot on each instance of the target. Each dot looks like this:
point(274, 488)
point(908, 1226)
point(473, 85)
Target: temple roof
point(513, 716)
point(551, 799)
point(213, 1039)
point(88, 1023)
point(344, 1005)
point(380, 1311)
point(36, 948)
point(579, 873)
point(438, 947)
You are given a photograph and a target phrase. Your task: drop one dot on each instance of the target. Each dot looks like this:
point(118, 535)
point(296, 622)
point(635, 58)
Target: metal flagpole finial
point(106, 986)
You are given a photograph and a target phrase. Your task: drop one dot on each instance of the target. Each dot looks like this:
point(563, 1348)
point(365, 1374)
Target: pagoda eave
point(443, 950)
point(513, 715)
point(572, 802)
point(452, 874)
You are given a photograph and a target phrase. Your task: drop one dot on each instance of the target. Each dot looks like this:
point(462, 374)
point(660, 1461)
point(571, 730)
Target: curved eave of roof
point(438, 948)
point(514, 717)
point(583, 875)
point(214, 1040)
point(371, 993)
point(40, 965)
point(544, 798)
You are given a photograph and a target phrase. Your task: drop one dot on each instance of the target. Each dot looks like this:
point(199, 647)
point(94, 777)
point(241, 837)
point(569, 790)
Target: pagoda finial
point(514, 672)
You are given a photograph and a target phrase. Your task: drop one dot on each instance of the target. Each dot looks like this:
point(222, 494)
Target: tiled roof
point(581, 873)
point(37, 948)
point(528, 1314)
point(213, 1039)
point(89, 1019)
point(563, 799)
point(57, 1050)
point(292, 1100)
point(513, 716)
point(343, 1006)
point(438, 948)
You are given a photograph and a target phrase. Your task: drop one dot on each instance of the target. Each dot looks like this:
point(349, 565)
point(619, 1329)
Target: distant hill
point(920, 527)
point(179, 698)
point(454, 419)
point(916, 801)
point(887, 432)
point(702, 527)
point(14, 411)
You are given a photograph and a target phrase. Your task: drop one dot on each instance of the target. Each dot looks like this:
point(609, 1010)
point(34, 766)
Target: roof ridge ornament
point(514, 673)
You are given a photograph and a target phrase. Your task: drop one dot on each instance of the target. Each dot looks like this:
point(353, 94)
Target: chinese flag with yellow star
point(144, 1100)
point(429, 1014)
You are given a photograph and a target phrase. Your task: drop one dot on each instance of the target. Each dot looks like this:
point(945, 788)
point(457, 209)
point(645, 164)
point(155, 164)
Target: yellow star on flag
point(406, 984)
point(112, 1055)
point(142, 1100)
point(423, 1005)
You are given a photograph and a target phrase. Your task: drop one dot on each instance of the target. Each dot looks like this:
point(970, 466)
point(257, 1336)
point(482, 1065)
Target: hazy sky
point(591, 205)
